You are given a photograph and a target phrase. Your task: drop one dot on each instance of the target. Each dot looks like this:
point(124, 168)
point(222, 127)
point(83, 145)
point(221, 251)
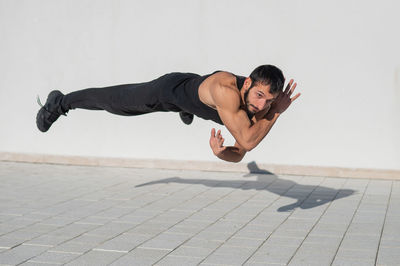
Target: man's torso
point(191, 93)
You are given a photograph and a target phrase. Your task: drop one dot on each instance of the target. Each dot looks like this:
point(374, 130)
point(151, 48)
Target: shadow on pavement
point(307, 196)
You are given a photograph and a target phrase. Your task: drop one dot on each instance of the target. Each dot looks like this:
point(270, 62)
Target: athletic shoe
point(186, 118)
point(50, 111)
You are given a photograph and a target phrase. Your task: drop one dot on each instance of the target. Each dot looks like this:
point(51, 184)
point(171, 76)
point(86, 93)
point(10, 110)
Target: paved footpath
point(73, 215)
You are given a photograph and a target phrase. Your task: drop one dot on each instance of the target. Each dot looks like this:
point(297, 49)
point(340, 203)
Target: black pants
point(128, 99)
point(176, 92)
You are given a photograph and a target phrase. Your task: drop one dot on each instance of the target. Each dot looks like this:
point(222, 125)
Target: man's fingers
point(288, 86)
point(220, 140)
point(219, 133)
point(295, 97)
point(213, 132)
point(292, 89)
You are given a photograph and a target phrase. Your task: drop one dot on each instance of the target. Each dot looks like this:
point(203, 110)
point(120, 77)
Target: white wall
point(343, 54)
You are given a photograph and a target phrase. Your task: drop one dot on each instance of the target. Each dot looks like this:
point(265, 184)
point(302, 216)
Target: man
point(248, 107)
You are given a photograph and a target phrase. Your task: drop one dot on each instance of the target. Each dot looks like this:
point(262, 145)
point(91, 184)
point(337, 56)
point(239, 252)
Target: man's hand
point(217, 142)
point(283, 101)
point(227, 153)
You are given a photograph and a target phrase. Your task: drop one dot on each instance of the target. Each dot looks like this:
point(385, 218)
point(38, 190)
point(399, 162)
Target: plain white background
point(343, 54)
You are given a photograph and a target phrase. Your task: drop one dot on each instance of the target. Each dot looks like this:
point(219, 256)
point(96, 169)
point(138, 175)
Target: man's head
point(262, 87)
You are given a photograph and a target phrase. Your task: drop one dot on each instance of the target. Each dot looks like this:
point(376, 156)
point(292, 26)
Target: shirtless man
point(248, 107)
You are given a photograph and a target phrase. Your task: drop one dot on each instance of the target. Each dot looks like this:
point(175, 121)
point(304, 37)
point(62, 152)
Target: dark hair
point(268, 75)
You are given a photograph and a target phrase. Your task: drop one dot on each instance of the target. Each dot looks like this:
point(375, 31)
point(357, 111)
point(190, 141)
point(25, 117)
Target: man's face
point(258, 98)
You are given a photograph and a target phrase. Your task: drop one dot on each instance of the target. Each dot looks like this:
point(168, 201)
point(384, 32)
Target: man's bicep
point(227, 101)
point(237, 122)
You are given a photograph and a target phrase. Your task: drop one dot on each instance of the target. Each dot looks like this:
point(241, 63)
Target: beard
point(247, 103)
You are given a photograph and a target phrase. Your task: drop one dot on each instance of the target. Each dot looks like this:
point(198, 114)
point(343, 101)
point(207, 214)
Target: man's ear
point(247, 84)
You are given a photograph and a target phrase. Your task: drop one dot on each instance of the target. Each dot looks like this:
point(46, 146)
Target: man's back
point(209, 85)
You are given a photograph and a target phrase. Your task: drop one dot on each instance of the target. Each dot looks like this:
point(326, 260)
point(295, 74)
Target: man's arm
point(247, 134)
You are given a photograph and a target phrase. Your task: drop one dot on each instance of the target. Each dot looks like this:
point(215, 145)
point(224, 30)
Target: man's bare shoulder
point(225, 93)
point(220, 90)
point(224, 78)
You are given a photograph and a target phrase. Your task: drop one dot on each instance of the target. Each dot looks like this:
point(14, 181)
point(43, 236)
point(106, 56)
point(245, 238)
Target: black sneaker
point(50, 111)
point(186, 118)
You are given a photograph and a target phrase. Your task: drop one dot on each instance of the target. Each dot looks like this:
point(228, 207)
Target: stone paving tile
point(273, 254)
point(21, 254)
point(229, 250)
point(58, 221)
point(122, 216)
point(73, 247)
point(243, 242)
point(330, 217)
point(207, 215)
point(370, 242)
point(313, 254)
point(394, 243)
point(226, 259)
point(370, 217)
point(354, 254)
point(269, 219)
point(327, 231)
point(42, 228)
point(22, 234)
point(214, 236)
point(262, 264)
point(257, 227)
point(365, 229)
point(329, 241)
point(166, 241)
point(193, 223)
point(283, 241)
point(290, 233)
point(238, 217)
point(95, 220)
point(89, 239)
point(22, 222)
point(95, 257)
point(297, 225)
point(171, 260)
point(110, 230)
point(7, 217)
point(388, 256)
point(6, 242)
point(226, 227)
point(114, 212)
point(141, 256)
point(184, 230)
point(124, 242)
point(185, 251)
point(72, 230)
point(29, 263)
point(390, 233)
point(339, 261)
point(134, 219)
point(203, 243)
point(48, 240)
point(149, 228)
point(54, 257)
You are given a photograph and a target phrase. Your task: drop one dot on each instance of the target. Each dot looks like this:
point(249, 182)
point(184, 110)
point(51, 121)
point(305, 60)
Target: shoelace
point(38, 101)
point(41, 105)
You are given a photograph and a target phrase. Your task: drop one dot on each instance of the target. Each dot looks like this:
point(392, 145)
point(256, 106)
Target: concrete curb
point(204, 166)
